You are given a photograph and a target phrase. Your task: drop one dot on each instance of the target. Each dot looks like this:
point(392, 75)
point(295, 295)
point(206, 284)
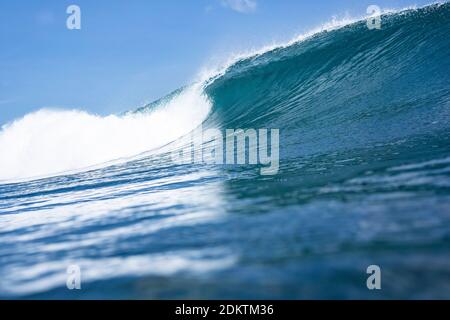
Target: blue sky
point(129, 52)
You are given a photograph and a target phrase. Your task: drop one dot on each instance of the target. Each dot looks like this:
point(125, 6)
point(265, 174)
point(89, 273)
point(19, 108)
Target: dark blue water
point(364, 119)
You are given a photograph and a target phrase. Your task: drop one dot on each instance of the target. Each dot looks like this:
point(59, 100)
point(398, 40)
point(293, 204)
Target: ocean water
point(364, 179)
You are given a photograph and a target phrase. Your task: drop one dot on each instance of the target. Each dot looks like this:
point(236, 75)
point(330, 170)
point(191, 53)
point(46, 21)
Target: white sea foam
point(50, 141)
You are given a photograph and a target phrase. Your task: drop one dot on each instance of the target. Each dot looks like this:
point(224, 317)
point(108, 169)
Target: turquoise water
point(364, 119)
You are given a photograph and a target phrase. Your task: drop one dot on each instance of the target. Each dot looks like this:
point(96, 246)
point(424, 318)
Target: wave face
point(364, 119)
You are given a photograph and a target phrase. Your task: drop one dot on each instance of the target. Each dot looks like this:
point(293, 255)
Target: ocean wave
point(353, 81)
point(364, 123)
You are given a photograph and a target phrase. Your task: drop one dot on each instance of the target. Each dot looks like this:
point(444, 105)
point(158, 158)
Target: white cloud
point(243, 6)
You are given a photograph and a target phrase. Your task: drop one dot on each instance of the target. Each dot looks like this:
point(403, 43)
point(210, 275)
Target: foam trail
point(49, 142)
